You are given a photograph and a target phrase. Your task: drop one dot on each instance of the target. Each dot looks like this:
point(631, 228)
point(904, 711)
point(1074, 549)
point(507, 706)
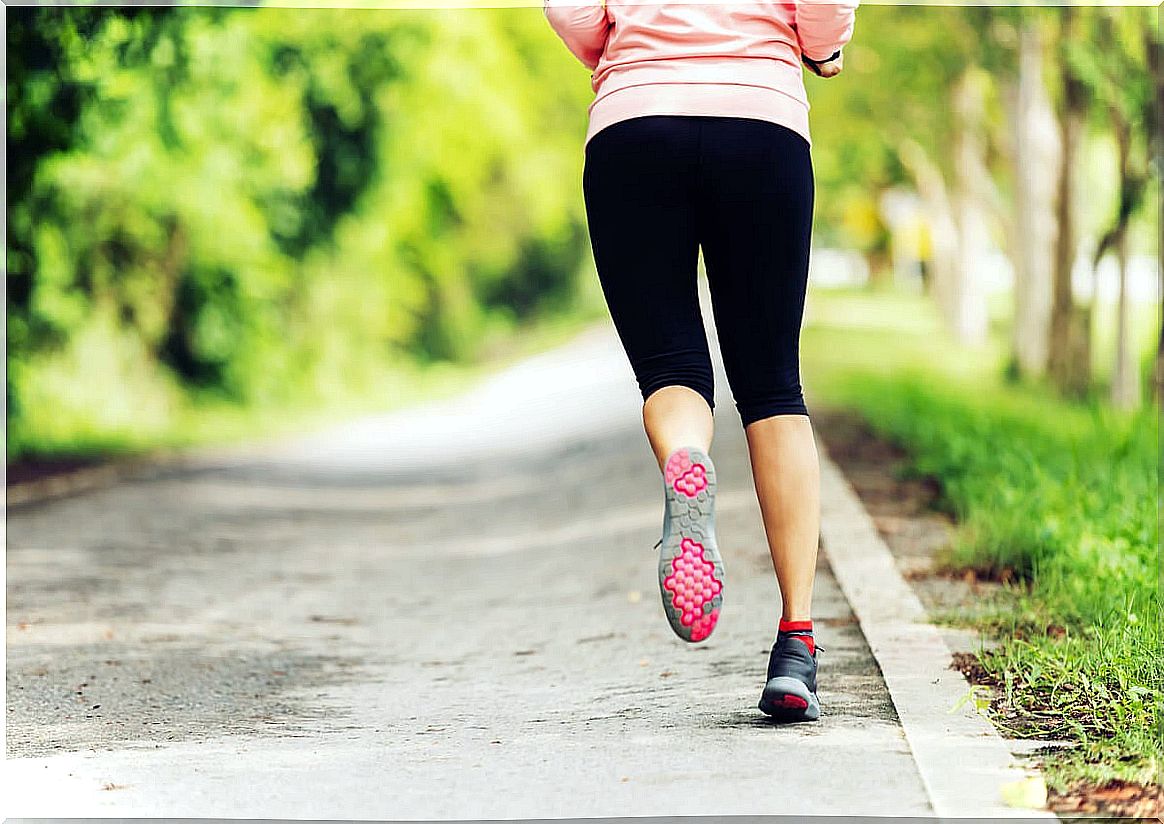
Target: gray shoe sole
point(789, 699)
point(691, 572)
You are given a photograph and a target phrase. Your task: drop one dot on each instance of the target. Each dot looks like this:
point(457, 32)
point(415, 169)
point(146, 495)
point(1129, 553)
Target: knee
point(703, 391)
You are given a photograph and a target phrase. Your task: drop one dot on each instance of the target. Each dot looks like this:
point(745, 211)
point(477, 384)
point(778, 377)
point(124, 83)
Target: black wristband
point(816, 64)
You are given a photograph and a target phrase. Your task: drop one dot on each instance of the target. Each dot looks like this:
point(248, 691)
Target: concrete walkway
point(449, 612)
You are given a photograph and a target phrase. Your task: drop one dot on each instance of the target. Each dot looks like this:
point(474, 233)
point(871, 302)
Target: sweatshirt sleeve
point(824, 26)
point(582, 25)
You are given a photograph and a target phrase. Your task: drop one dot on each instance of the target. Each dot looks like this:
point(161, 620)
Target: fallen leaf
point(1028, 793)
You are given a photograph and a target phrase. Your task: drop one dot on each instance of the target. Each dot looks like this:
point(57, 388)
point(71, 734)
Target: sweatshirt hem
point(697, 98)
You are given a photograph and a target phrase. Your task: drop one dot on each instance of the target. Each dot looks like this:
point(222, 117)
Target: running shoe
point(790, 692)
point(691, 573)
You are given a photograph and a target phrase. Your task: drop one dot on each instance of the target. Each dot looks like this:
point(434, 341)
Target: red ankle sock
point(801, 630)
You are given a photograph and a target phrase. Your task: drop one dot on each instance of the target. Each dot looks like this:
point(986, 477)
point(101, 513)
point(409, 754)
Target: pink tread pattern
point(685, 475)
point(692, 583)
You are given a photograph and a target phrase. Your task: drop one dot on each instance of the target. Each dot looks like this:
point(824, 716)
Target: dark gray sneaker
point(790, 692)
point(691, 573)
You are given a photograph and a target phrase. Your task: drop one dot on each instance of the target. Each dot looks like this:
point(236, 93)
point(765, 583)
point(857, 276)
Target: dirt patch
point(968, 664)
point(910, 516)
point(29, 470)
point(35, 480)
point(1118, 799)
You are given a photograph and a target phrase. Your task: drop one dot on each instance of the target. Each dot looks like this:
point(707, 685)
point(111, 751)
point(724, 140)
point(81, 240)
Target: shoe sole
point(789, 699)
point(691, 573)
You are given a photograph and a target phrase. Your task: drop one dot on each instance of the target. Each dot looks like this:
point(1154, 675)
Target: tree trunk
point(967, 299)
point(943, 228)
point(1035, 159)
point(1125, 382)
point(1125, 379)
point(1069, 360)
point(1155, 126)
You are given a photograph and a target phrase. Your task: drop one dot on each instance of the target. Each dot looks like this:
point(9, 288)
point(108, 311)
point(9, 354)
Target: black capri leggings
point(659, 187)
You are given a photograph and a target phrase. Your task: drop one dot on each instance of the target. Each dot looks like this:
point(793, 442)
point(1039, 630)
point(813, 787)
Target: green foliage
point(1063, 495)
point(266, 207)
point(271, 206)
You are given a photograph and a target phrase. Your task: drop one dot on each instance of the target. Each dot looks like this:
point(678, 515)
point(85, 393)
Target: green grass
point(1060, 495)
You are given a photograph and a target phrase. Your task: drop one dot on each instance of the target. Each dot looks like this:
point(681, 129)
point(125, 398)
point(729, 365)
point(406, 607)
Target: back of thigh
point(641, 203)
point(755, 224)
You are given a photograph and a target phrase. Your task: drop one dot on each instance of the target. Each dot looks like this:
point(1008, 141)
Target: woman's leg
point(639, 187)
point(676, 416)
point(640, 183)
point(756, 227)
point(786, 474)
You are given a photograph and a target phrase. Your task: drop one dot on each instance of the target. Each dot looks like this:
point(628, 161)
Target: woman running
point(698, 138)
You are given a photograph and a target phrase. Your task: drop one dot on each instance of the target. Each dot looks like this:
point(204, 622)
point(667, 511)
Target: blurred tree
point(1034, 151)
point(1154, 123)
point(276, 205)
point(965, 294)
point(1069, 346)
point(1103, 74)
point(45, 101)
point(1123, 88)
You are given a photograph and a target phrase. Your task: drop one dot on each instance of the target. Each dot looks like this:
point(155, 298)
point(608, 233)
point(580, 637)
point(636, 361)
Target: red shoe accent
point(793, 702)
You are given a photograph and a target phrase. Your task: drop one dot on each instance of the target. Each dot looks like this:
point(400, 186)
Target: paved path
point(449, 612)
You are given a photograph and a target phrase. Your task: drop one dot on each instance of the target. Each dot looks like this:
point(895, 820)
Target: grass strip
point(1057, 498)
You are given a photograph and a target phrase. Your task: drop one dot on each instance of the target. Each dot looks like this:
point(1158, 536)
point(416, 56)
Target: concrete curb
point(962, 759)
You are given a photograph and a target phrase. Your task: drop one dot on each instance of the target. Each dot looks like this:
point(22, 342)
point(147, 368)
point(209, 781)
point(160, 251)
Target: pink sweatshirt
point(709, 57)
